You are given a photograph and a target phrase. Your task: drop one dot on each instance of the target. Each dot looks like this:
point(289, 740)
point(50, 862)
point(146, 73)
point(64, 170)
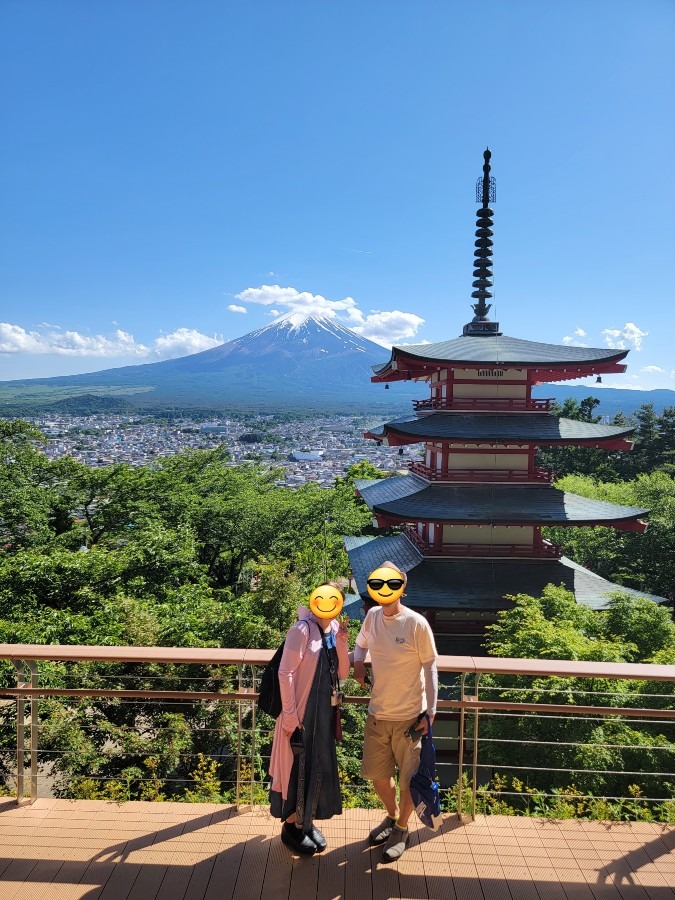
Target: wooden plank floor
point(73, 850)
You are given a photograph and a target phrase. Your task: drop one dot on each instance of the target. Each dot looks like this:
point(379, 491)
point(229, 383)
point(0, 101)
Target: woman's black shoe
point(296, 840)
point(317, 838)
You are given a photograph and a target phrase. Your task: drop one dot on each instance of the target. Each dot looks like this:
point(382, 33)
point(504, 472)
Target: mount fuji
point(314, 364)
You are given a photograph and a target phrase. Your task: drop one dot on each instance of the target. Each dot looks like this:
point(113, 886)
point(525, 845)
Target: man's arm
point(361, 650)
point(426, 647)
point(360, 654)
point(430, 670)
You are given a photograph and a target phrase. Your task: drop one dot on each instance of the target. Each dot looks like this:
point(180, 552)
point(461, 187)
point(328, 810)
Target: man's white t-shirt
point(399, 646)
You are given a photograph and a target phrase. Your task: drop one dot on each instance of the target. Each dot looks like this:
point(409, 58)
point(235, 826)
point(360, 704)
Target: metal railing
point(545, 549)
point(519, 476)
point(481, 700)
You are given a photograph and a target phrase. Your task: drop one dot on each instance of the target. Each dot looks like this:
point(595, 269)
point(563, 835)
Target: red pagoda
point(466, 521)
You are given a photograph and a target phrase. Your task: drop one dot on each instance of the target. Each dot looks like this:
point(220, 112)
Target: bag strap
point(332, 668)
point(427, 751)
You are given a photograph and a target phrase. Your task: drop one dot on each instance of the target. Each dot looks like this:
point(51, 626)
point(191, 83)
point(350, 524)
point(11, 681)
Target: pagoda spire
point(482, 264)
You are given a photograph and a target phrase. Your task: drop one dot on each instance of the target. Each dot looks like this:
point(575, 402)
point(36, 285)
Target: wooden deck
point(175, 851)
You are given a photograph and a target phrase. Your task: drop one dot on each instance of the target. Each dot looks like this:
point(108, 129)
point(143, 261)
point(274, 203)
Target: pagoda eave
point(387, 520)
point(404, 368)
point(516, 428)
point(391, 438)
point(539, 376)
point(409, 498)
point(541, 361)
point(620, 444)
point(636, 525)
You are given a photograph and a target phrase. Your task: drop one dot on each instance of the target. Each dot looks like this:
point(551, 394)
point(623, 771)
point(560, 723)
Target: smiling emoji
point(386, 584)
point(326, 601)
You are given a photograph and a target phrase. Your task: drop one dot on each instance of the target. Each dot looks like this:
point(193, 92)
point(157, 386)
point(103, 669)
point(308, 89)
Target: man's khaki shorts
point(387, 747)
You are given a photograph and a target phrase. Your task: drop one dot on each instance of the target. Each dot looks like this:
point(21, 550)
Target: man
point(404, 685)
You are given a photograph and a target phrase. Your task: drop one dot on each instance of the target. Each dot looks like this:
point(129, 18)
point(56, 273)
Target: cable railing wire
point(245, 749)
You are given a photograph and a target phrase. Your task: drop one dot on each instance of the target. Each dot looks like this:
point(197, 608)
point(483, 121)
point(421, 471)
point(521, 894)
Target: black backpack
point(269, 693)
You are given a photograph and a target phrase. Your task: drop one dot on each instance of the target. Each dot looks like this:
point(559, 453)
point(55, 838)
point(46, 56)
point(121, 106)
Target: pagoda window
point(488, 461)
point(489, 535)
point(489, 390)
point(518, 461)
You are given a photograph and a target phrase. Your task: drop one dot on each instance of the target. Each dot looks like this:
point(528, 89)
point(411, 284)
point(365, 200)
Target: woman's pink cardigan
point(296, 675)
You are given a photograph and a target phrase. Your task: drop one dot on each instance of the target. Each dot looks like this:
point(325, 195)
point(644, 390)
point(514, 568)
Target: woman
point(303, 765)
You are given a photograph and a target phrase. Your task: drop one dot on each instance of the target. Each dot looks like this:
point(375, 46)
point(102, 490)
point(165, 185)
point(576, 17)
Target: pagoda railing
point(545, 550)
point(521, 476)
point(483, 404)
point(470, 750)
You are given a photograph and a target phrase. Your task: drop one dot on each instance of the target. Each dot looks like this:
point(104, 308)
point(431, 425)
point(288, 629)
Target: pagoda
point(466, 520)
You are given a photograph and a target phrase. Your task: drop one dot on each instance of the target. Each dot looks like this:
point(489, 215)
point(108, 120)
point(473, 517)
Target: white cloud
point(383, 327)
point(236, 309)
point(572, 340)
point(300, 303)
point(390, 327)
point(182, 342)
point(655, 369)
point(623, 338)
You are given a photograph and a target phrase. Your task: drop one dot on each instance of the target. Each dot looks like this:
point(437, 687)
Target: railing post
point(254, 707)
point(460, 759)
point(21, 730)
point(475, 753)
point(237, 798)
point(34, 732)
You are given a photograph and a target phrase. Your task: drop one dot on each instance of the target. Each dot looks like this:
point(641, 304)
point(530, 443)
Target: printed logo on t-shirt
point(400, 640)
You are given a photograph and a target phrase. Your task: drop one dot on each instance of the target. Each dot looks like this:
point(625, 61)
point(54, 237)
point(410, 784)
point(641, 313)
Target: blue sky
point(174, 174)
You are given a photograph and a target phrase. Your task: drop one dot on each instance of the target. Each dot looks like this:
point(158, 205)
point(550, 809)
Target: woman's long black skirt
point(314, 785)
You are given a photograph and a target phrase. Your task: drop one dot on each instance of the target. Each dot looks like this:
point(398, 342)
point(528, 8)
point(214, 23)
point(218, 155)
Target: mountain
point(612, 400)
point(316, 364)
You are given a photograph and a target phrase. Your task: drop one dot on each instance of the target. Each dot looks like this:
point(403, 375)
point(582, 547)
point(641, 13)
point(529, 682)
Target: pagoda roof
point(408, 498)
point(500, 349)
point(521, 428)
point(477, 584)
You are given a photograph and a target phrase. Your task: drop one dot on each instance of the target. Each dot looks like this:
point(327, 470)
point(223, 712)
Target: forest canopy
point(194, 551)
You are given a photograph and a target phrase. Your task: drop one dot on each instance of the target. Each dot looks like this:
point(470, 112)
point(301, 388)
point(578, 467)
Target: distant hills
point(612, 400)
point(317, 365)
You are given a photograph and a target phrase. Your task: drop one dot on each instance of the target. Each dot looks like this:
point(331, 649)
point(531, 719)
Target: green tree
point(639, 561)
point(556, 751)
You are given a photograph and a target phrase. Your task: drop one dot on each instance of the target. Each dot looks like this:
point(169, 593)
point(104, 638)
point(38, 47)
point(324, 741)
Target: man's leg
point(386, 791)
point(407, 754)
point(406, 806)
point(378, 766)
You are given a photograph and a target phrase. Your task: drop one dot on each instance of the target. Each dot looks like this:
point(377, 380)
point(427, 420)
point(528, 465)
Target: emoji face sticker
point(326, 601)
point(386, 585)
